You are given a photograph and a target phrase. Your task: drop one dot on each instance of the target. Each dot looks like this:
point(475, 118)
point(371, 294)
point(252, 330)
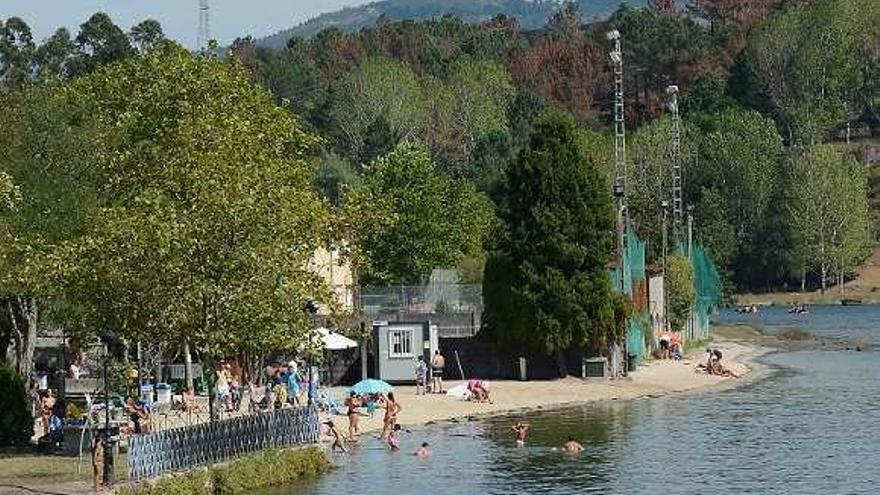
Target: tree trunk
point(560, 362)
point(27, 307)
point(804, 279)
point(187, 369)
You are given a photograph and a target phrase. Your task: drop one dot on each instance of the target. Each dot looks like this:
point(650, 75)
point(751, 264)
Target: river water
point(810, 426)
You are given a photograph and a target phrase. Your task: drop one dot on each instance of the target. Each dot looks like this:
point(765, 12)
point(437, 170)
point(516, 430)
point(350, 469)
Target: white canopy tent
point(333, 341)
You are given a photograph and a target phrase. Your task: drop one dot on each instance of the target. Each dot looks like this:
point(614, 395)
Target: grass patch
point(276, 467)
point(26, 467)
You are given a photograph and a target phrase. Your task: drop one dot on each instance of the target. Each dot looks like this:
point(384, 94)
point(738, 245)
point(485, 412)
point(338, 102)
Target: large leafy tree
point(547, 282)
point(100, 41)
point(408, 218)
point(826, 202)
point(378, 89)
point(46, 160)
point(814, 62)
point(207, 219)
point(734, 178)
point(16, 53)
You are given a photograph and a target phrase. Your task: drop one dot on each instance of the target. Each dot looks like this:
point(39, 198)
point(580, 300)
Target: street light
point(665, 206)
point(311, 308)
point(109, 339)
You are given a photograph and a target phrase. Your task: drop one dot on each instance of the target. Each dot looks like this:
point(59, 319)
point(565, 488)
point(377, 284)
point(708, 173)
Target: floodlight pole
point(675, 158)
point(620, 191)
point(616, 55)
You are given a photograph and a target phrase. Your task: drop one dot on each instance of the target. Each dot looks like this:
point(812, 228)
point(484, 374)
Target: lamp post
point(665, 205)
point(311, 308)
point(108, 338)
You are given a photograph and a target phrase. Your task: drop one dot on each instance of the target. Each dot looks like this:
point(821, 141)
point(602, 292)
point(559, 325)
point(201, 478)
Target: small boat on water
point(851, 302)
point(798, 310)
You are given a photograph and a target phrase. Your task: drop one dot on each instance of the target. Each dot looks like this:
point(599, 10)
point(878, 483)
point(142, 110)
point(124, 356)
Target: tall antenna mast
point(675, 157)
point(616, 55)
point(204, 25)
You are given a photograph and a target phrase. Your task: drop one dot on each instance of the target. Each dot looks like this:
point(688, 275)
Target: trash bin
point(163, 393)
point(522, 369)
point(631, 363)
point(596, 367)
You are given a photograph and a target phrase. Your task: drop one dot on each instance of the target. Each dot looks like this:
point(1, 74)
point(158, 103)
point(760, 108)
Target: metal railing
point(184, 448)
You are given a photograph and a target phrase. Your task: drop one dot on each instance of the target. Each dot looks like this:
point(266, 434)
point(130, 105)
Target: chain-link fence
point(455, 308)
point(191, 446)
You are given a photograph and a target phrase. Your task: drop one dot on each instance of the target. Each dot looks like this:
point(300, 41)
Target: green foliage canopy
point(409, 219)
point(547, 280)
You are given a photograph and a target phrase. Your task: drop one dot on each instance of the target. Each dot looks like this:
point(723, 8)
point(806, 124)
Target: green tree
point(409, 219)
point(146, 34)
point(680, 290)
point(207, 219)
point(55, 56)
point(740, 159)
point(16, 53)
point(812, 60)
point(547, 281)
point(471, 104)
point(827, 207)
point(39, 151)
point(100, 42)
point(378, 88)
point(16, 422)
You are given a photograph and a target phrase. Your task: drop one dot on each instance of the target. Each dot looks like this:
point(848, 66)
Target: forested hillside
point(531, 14)
point(424, 118)
point(763, 84)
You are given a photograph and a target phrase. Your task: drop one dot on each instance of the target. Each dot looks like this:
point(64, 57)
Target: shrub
point(269, 468)
point(16, 421)
point(680, 290)
point(247, 474)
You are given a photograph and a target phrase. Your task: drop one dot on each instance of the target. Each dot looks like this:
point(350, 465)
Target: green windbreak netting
point(707, 283)
point(635, 286)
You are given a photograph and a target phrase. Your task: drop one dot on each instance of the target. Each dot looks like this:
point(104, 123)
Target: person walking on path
point(421, 376)
point(438, 363)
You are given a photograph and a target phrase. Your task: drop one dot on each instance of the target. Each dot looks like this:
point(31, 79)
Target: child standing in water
point(520, 432)
point(394, 438)
point(337, 438)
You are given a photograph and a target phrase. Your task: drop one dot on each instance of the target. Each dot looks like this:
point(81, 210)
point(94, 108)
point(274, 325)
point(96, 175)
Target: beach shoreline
point(654, 379)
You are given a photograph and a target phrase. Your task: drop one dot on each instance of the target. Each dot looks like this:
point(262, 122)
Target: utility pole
point(204, 25)
point(616, 55)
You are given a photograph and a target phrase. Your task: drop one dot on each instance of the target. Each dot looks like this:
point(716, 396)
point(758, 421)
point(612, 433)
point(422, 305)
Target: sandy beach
point(654, 379)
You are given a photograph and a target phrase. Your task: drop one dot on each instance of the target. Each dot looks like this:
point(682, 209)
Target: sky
point(179, 18)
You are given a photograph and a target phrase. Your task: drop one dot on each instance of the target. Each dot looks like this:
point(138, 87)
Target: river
point(810, 426)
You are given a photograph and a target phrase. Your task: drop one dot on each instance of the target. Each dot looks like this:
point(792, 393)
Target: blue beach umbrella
point(371, 386)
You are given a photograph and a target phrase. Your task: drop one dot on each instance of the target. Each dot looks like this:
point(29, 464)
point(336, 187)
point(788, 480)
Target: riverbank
point(741, 348)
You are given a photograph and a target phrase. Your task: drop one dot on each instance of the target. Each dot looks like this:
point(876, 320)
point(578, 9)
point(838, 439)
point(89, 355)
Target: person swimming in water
point(572, 446)
point(520, 432)
point(423, 450)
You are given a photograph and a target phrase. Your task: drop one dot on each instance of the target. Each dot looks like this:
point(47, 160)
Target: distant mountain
point(531, 14)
